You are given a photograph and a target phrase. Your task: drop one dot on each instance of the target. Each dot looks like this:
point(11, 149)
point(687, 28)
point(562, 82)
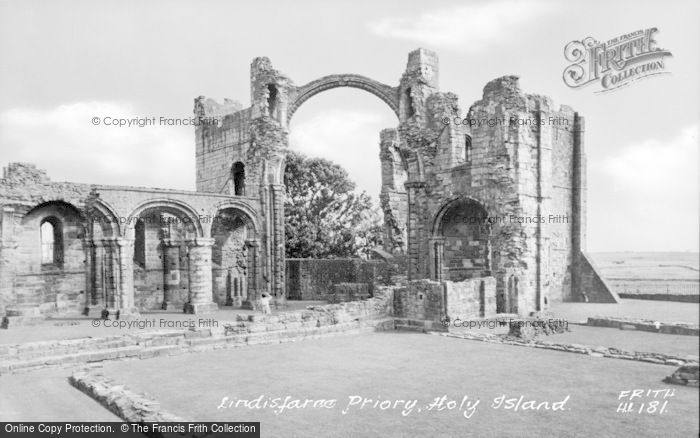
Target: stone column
point(489, 257)
point(107, 274)
point(253, 291)
point(233, 297)
point(110, 278)
point(415, 191)
point(278, 250)
point(7, 250)
point(488, 265)
point(91, 305)
point(437, 246)
point(125, 264)
point(171, 270)
point(200, 279)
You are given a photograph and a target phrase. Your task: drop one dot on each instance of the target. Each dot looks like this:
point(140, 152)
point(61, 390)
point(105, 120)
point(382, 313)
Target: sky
point(64, 62)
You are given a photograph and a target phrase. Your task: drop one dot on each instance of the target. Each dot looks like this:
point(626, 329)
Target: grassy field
point(648, 265)
point(663, 311)
point(409, 366)
point(650, 273)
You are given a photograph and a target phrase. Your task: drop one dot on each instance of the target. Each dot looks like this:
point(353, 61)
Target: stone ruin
point(459, 194)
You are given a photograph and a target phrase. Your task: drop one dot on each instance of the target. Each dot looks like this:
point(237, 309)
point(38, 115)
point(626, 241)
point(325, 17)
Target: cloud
point(349, 138)
point(645, 197)
point(64, 141)
point(658, 168)
point(470, 28)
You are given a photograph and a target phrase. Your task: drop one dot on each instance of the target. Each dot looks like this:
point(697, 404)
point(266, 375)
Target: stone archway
point(52, 258)
point(461, 243)
point(235, 257)
point(101, 259)
point(513, 293)
point(386, 93)
point(172, 268)
point(394, 170)
point(261, 137)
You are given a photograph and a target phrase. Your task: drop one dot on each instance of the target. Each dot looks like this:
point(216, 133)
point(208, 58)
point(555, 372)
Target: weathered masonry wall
point(393, 197)
point(500, 194)
point(313, 279)
point(76, 248)
point(428, 304)
point(475, 298)
point(521, 170)
point(421, 301)
point(27, 278)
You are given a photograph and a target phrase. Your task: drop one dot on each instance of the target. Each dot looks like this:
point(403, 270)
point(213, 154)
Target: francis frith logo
point(614, 63)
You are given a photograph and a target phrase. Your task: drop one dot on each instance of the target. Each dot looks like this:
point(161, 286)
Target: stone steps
point(417, 325)
point(39, 355)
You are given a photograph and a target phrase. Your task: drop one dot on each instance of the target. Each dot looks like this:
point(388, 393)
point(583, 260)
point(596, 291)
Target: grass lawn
point(408, 366)
point(47, 396)
point(627, 340)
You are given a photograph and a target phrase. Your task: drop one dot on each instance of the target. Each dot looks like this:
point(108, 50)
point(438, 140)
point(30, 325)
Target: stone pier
point(200, 295)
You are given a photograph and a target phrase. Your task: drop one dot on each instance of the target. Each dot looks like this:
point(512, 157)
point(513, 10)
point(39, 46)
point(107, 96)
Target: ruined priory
point(450, 183)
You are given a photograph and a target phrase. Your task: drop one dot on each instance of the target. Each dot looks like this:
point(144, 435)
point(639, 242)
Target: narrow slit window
point(271, 100)
point(410, 111)
point(468, 148)
point(238, 177)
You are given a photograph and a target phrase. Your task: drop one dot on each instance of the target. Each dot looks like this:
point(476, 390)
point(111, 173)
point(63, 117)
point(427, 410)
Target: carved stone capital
point(200, 241)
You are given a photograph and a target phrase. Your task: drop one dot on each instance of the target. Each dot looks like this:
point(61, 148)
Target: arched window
point(238, 176)
point(468, 148)
point(51, 241)
point(465, 251)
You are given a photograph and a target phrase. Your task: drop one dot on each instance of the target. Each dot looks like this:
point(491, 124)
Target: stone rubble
point(132, 407)
point(685, 375)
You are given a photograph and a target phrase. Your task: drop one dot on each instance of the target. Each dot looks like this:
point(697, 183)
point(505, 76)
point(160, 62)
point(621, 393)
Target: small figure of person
point(265, 303)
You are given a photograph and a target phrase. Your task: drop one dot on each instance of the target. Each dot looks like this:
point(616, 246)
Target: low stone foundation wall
point(315, 322)
point(530, 328)
point(420, 301)
point(126, 404)
point(344, 292)
point(313, 279)
point(472, 298)
point(615, 353)
point(662, 297)
point(424, 304)
point(676, 328)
